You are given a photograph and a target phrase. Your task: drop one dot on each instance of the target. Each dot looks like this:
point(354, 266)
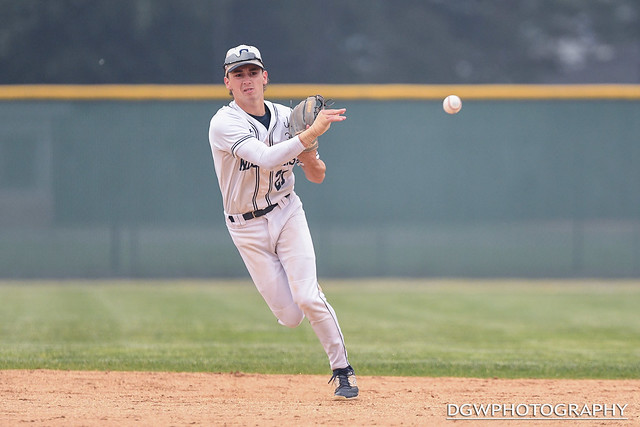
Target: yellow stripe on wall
point(299, 91)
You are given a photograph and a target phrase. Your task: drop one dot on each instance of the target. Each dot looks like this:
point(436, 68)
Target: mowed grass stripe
point(509, 329)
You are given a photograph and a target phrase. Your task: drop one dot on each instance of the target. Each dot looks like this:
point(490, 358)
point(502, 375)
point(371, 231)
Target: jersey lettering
point(245, 165)
point(279, 179)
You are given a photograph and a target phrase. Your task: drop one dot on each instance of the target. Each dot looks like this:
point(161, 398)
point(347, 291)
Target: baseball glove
point(304, 114)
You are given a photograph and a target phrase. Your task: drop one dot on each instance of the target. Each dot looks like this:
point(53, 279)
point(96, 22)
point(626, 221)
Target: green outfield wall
point(526, 181)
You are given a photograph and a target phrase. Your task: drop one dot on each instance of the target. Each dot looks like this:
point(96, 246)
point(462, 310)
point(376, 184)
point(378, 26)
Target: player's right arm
point(230, 133)
point(272, 157)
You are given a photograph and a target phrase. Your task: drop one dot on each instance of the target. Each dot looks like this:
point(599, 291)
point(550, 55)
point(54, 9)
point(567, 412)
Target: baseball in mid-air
point(452, 104)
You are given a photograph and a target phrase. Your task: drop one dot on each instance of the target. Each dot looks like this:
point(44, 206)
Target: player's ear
point(226, 82)
point(265, 76)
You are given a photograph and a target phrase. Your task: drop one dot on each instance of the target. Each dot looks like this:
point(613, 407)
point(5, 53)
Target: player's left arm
point(313, 167)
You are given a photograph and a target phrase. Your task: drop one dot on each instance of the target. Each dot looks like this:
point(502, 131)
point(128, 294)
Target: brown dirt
point(80, 398)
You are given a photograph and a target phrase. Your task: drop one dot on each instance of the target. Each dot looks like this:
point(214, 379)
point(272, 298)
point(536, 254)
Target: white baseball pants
point(278, 252)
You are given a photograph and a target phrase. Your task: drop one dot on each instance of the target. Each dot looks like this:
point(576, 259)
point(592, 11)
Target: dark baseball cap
point(242, 55)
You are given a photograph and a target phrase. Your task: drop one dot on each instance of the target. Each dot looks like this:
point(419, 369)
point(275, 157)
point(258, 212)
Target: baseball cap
point(242, 55)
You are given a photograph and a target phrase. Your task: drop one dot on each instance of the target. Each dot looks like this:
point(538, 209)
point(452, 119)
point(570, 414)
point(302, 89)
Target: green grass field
point(507, 329)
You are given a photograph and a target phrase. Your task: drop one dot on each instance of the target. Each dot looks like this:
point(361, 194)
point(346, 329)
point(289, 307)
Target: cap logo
point(241, 55)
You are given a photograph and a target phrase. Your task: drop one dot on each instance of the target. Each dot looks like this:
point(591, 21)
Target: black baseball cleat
point(347, 386)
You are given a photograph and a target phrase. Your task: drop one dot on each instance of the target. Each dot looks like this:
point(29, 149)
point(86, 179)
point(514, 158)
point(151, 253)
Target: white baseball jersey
point(286, 278)
point(245, 186)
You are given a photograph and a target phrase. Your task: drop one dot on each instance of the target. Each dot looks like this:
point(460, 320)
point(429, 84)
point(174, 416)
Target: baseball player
point(254, 156)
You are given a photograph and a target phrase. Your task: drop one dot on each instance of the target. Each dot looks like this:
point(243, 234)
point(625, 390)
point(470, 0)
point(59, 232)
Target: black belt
point(256, 214)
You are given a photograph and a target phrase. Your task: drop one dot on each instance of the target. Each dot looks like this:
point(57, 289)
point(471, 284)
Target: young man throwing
point(254, 155)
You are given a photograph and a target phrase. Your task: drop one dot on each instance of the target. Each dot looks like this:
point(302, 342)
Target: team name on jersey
point(245, 165)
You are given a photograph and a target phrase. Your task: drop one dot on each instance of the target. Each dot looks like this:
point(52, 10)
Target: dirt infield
point(80, 398)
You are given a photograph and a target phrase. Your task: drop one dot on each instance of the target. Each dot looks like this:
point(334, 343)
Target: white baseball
point(452, 104)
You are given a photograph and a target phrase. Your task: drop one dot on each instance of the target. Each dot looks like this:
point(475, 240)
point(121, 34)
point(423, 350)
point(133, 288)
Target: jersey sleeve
point(234, 136)
point(270, 157)
point(228, 131)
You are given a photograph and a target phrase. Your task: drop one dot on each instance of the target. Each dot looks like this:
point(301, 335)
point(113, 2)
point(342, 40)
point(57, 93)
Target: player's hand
point(322, 123)
point(326, 117)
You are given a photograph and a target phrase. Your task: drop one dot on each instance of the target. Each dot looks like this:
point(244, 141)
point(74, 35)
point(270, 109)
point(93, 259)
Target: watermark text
point(512, 411)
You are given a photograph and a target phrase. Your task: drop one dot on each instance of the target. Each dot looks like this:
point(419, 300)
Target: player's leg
point(296, 252)
point(258, 253)
point(292, 294)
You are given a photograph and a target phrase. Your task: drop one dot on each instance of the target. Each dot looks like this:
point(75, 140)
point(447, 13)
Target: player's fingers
point(335, 111)
point(324, 119)
point(333, 115)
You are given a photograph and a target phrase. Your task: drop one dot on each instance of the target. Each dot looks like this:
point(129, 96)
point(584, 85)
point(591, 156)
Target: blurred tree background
point(331, 41)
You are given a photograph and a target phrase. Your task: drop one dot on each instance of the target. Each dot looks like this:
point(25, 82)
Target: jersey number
point(279, 179)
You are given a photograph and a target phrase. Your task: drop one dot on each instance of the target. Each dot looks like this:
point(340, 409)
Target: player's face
point(246, 82)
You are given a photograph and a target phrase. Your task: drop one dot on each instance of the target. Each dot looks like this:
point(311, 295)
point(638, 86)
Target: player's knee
point(309, 305)
point(291, 321)
point(306, 294)
point(290, 317)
